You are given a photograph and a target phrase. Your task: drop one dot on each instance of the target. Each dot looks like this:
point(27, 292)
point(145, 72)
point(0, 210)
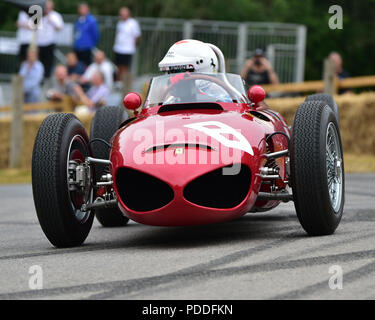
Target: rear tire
point(104, 125)
point(60, 138)
point(316, 172)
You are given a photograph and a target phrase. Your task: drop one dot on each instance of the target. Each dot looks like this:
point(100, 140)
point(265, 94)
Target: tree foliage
point(355, 42)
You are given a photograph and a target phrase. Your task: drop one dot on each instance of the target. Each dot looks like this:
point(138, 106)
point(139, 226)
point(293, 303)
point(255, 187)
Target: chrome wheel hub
point(79, 179)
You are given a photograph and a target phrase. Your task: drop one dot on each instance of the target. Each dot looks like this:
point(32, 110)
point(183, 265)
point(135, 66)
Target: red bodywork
point(180, 211)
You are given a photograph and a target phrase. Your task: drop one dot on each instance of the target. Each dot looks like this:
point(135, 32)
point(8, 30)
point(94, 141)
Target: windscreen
point(194, 87)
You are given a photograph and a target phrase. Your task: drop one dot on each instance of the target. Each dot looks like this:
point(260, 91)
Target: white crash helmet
point(189, 55)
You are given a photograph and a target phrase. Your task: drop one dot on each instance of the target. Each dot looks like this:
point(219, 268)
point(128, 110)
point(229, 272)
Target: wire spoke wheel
point(334, 166)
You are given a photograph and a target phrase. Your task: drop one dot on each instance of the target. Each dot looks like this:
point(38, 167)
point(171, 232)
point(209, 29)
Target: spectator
point(128, 35)
point(52, 23)
point(1, 97)
point(86, 34)
point(32, 72)
point(258, 70)
point(96, 95)
point(62, 85)
point(75, 68)
point(102, 65)
point(24, 34)
point(337, 61)
point(340, 72)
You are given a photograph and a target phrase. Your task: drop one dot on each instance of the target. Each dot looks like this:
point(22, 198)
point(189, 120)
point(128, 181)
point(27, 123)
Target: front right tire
point(317, 168)
point(104, 125)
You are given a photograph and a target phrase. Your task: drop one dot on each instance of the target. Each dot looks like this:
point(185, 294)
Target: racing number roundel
point(218, 130)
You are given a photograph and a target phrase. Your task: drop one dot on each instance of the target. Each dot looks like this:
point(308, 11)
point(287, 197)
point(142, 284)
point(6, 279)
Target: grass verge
point(359, 163)
point(14, 176)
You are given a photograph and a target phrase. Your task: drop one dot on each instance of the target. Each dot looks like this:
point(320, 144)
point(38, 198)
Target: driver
point(185, 57)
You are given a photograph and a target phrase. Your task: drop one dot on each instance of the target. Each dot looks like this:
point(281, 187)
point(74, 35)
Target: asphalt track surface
point(259, 256)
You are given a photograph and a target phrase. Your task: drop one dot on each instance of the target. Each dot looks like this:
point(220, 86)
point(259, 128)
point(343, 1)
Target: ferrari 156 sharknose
point(198, 151)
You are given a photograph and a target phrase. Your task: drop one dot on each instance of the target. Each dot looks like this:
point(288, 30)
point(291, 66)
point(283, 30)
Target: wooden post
point(127, 82)
point(330, 81)
point(16, 135)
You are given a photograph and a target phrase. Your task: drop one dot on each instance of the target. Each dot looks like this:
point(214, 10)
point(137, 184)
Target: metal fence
point(284, 44)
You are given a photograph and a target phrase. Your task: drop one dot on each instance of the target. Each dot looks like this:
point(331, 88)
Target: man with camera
point(258, 70)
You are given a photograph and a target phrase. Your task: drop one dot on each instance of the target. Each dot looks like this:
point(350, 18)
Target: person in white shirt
point(24, 34)
point(128, 35)
point(52, 23)
point(100, 64)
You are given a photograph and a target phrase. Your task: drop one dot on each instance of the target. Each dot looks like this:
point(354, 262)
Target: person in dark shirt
point(337, 61)
point(340, 72)
point(62, 85)
point(258, 70)
point(75, 68)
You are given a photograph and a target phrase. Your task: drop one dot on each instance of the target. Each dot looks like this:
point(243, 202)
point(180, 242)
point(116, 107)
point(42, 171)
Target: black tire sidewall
point(104, 125)
point(308, 168)
point(49, 180)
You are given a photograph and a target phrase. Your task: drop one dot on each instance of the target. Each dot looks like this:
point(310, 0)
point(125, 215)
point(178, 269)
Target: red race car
point(199, 151)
